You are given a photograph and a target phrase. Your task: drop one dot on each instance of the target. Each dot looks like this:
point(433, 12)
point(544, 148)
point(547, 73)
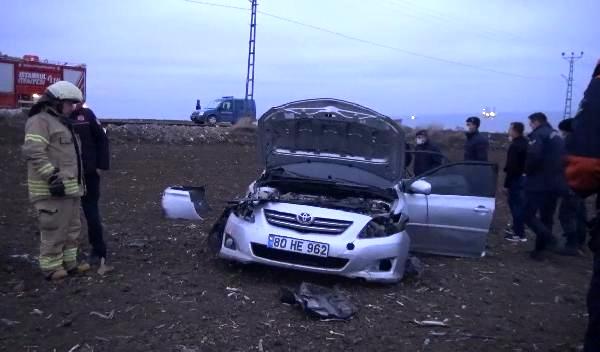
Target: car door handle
point(481, 209)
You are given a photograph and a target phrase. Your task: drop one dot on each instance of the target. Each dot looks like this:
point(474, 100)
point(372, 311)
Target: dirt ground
point(169, 294)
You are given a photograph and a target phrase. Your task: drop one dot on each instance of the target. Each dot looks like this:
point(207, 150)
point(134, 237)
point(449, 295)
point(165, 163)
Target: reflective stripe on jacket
point(50, 144)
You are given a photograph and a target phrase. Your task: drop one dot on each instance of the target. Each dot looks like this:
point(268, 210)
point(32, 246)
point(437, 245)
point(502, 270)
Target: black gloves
point(55, 184)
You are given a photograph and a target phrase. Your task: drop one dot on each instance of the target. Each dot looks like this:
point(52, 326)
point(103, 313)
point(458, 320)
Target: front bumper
point(376, 259)
point(197, 118)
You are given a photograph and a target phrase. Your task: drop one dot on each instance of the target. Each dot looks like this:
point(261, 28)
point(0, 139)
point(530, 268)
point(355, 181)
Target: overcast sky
point(152, 59)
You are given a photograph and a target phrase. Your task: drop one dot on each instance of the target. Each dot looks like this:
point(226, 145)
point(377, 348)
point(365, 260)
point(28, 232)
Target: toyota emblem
point(304, 218)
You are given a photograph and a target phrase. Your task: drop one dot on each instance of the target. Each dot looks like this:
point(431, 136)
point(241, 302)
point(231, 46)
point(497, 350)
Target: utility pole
point(251, 57)
point(572, 58)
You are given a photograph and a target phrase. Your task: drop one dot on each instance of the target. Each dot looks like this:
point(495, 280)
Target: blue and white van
point(224, 110)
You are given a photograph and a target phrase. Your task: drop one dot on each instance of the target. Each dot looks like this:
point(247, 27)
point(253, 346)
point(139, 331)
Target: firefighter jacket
point(52, 147)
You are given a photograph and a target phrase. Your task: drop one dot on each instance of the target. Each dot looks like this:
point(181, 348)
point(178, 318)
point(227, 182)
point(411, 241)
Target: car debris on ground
point(320, 302)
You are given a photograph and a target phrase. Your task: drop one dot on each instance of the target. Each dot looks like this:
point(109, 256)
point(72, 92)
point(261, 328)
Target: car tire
point(215, 236)
point(215, 241)
point(212, 120)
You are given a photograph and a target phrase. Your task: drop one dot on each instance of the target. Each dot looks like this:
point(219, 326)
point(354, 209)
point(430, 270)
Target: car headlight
point(384, 226)
point(201, 113)
point(244, 211)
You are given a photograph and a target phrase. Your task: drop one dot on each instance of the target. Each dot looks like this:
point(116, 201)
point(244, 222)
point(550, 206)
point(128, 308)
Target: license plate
point(299, 246)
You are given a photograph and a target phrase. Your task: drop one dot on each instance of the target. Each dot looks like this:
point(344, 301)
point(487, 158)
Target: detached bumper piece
point(320, 302)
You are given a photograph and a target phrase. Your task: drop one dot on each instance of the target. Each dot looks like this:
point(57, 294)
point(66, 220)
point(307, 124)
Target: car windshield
point(213, 104)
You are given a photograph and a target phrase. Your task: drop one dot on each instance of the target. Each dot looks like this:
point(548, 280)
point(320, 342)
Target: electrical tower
point(569, 97)
point(251, 57)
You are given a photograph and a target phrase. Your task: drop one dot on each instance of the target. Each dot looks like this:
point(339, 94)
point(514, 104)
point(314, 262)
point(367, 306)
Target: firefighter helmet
point(64, 90)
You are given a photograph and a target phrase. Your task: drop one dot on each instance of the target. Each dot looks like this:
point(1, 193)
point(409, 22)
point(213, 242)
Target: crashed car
point(332, 198)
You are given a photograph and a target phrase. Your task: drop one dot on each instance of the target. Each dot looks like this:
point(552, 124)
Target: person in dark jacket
point(427, 155)
point(583, 175)
point(477, 145)
point(572, 213)
point(95, 156)
point(514, 182)
point(545, 182)
point(408, 157)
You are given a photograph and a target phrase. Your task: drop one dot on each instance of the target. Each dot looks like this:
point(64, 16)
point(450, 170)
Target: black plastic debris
point(414, 267)
point(320, 302)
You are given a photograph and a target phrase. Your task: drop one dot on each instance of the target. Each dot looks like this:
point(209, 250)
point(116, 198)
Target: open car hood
point(332, 131)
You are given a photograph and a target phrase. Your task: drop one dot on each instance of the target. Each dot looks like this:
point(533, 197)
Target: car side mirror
point(421, 187)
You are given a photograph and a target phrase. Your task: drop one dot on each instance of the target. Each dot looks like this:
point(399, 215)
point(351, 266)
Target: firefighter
point(477, 145)
point(55, 179)
point(95, 156)
point(583, 175)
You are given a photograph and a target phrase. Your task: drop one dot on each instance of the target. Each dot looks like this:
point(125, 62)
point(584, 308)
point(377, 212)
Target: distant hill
point(454, 120)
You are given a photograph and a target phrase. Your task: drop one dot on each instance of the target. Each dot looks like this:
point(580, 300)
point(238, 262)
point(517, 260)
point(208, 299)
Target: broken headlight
point(244, 211)
point(384, 226)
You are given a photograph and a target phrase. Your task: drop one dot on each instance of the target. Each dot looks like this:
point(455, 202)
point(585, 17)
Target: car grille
point(263, 251)
point(319, 225)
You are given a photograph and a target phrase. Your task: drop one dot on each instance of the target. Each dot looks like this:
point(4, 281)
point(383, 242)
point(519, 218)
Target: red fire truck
point(24, 79)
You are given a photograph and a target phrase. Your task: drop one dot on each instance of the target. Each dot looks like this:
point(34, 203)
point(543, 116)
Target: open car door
point(455, 218)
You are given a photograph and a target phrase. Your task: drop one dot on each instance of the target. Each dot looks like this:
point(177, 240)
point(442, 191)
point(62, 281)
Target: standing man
point(477, 145)
point(95, 155)
point(55, 178)
point(583, 175)
point(515, 181)
point(427, 154)
point(572, 212)
point(545, 182)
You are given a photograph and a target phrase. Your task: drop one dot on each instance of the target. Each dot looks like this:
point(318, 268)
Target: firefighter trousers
point(60, 228)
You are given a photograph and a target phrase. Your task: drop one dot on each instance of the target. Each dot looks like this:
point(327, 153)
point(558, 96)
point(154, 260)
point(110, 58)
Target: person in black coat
point(545, 182)
point(408, 156)
point(572, 212)
point(477, 145)
point(514, 182)
point(427, 155)
point(95, 157)
point(583, 175)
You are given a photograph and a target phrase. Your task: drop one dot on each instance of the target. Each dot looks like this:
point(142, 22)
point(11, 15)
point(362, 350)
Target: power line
point(422, 16)
point(217, 5)
point(369, 42)
point(494, 31)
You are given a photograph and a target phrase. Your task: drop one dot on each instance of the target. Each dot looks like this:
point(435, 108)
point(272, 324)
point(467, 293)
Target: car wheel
point(212, 120)
point(215, 236)
point(215, 241)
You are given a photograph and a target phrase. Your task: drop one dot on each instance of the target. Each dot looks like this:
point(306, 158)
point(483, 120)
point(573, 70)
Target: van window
point(226, 106)
point(213, 104)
